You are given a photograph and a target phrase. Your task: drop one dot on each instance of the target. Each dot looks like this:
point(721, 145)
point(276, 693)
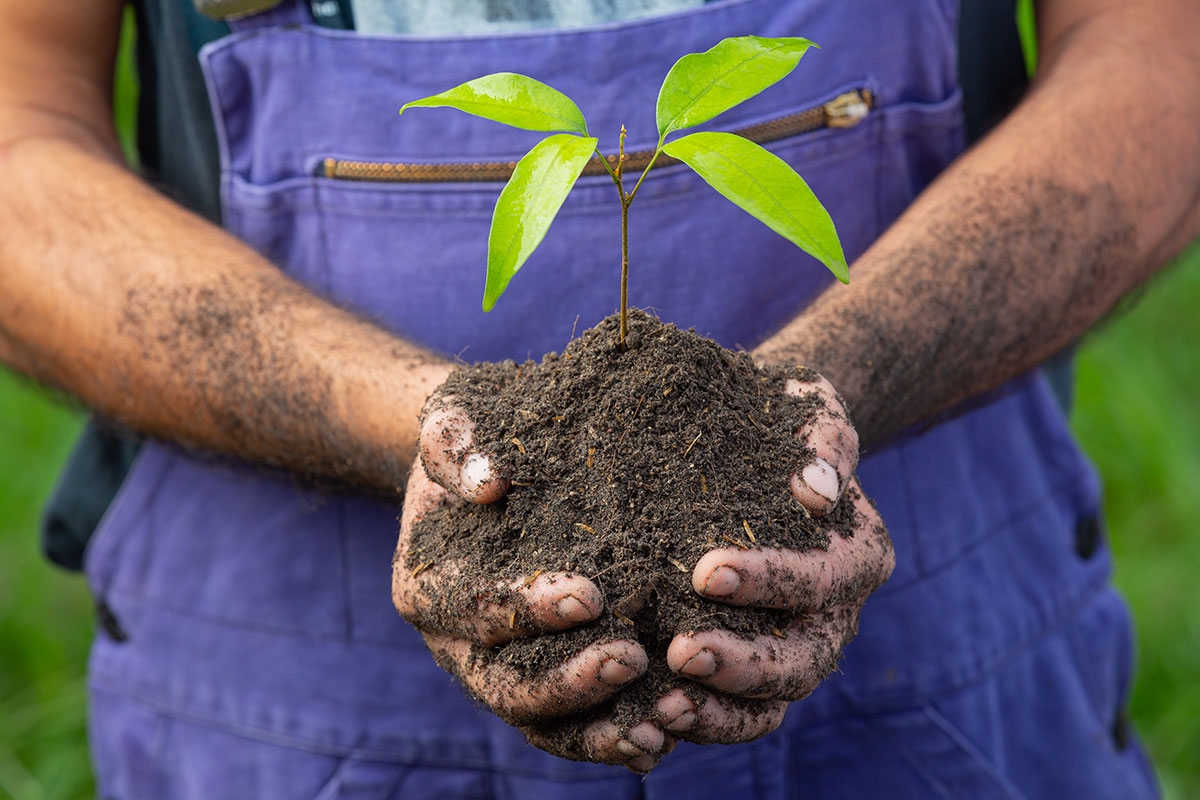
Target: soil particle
point(627, 466)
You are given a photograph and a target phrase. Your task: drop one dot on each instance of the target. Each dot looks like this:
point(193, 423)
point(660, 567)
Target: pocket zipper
point(844, 111)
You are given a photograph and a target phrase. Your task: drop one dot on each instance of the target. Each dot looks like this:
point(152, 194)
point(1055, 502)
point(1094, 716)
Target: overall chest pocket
point(405, 242)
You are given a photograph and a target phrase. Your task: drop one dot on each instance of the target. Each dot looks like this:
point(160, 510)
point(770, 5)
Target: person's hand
point(453, 618)
point(753, 681)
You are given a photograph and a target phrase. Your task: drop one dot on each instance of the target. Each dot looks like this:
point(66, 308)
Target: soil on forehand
point(627, 466)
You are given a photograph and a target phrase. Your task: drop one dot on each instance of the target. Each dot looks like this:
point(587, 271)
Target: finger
point(602, 742)
point(640, 748)
point(717, 719)
point(432, 597)
point(850, 567)
point(587, 678)
point(421, 496)
point(437, 599)
point(834, 443)
point(448, 453)
point(551, 602)
point(675, 711)
point(784, 667)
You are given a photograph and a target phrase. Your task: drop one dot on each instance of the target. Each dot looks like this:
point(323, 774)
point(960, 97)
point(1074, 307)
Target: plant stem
point(624, 271)
point(604, 161)
point(642, 177)
point(625, 200)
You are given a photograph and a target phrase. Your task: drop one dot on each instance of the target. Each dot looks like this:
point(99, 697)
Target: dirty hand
point(753, 681)
point(454, 618)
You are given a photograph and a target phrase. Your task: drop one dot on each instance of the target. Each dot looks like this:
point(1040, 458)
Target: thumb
point(449, 455)
point(833, 441)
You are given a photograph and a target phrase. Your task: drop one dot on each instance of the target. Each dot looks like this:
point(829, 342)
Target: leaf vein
point(708, 87)
point(807, 230)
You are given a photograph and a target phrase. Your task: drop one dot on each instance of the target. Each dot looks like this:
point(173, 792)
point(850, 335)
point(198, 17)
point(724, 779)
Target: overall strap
point(242, 15)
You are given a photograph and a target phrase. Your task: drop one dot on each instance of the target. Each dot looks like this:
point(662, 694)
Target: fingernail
point(628, 748)
point(722, 582)
point(614, 672)
point(570, 609)
point(682, 722)
point(822, 479)
point(476, 471)
point(700, 665)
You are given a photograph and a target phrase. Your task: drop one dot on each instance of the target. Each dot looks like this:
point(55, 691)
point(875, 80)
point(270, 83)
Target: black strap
point(991, 65)
point(87, 486)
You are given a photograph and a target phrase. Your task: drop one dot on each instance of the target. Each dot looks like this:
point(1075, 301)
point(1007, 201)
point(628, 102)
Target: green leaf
point(511, 99)
point(702, 85)
point(527, 205)
point(764, 185)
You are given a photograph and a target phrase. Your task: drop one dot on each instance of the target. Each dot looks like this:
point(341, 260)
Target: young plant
point(698, 87)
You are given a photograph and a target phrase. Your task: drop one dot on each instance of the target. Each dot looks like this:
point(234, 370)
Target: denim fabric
point(1037, 725)
point(262, 656)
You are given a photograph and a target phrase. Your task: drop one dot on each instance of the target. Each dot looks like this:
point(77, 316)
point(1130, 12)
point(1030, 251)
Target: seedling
point(697, 88)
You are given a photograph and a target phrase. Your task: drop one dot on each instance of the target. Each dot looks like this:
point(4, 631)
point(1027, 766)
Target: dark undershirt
point(178, 148)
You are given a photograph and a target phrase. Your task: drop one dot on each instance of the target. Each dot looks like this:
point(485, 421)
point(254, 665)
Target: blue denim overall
point(260, 654)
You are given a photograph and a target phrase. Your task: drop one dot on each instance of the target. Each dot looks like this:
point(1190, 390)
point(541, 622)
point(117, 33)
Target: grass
point(1139, 380)
point(1137, 416)
point(45, 614)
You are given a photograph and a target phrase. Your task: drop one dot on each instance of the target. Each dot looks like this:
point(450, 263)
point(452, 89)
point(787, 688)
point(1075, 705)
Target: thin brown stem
point(642, 177)
point(607, 166)
point(625, 200)
point(624, 271)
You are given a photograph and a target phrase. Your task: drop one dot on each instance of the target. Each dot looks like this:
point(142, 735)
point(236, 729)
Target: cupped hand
point(453, 619)
point(753, 680)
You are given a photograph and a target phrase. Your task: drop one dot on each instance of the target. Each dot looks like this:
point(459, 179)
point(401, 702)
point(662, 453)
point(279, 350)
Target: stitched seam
point(107, 529)
point(326, 791)
point(897, 743)
point(297, 632)
point(964, 744)
point(989, 530)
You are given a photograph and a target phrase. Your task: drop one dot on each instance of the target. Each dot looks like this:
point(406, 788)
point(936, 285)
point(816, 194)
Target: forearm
point(1027, 240)
point(165, 323)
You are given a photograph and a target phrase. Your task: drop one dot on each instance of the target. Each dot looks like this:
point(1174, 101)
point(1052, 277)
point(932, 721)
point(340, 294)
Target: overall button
point(1120, 731)
point(109, 622)
point(1087, 536)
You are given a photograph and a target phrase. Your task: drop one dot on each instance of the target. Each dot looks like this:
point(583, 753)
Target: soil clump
point(627, 466)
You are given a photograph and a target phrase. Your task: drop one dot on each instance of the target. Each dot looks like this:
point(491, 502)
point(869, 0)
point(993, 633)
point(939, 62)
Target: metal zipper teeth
point(844, 111)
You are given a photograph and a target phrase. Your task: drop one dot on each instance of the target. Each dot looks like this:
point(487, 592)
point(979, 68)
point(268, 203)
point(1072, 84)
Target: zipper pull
point(847, 110)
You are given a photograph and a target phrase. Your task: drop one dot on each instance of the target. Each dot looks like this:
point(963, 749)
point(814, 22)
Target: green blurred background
point(1137, 415)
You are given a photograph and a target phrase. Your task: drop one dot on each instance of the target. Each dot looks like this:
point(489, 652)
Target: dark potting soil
point(627, 466)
